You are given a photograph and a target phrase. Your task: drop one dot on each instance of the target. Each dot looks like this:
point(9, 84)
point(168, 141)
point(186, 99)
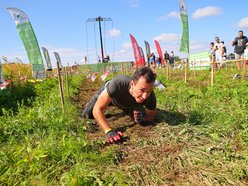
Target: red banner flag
point(143, 61)
point(136, 50)
point(160, 54)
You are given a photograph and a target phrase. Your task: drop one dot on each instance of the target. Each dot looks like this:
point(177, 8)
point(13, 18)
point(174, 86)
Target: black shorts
point(87, 113)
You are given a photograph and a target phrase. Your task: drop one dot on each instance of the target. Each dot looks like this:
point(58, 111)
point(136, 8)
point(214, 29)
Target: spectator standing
point(106, 59)
point(166, 57)
point(158, 62)
point(152, 59)
point(246, 55)
point(172, 59)
point(212, 50)
point(224, 50)
point(219, 52)
point(99, 59)
point(239, 44)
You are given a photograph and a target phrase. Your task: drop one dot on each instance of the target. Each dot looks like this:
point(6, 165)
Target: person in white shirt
point(219, 52)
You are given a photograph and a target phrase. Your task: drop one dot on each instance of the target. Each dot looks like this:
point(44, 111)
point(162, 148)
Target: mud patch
point(143, 151)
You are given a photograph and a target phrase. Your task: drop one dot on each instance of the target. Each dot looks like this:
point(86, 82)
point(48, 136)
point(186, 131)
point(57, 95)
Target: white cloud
point(115, 32)
point(68, 52)
point(123, 55)
point(174, 14)
point(122, 51)
point(172, 37)
point(243, 23)
point(206, 11)
point(170, 15)
point(197, 47)
point(67, 55)
point(134, 3)
point(127, 45)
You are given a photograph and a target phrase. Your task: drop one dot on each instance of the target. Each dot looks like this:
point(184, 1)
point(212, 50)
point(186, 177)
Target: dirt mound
point(142, 146)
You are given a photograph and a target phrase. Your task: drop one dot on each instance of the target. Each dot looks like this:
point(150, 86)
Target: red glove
point(138, 116)
point(112, 136)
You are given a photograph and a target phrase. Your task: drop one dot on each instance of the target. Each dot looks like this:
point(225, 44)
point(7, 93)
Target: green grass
point(201, 138)
point(43, 145)
point(216, 126)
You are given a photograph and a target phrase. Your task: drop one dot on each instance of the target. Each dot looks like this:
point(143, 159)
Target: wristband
point(106, 131)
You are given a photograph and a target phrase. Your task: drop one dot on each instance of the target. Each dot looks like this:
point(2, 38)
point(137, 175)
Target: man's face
point(141, 90)
point(240, 34)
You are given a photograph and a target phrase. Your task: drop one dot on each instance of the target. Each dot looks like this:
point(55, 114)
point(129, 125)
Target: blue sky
point(60, 26)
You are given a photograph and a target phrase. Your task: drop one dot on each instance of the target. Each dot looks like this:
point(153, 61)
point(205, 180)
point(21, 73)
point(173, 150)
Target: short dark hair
point(145, 72)
point(241, 31)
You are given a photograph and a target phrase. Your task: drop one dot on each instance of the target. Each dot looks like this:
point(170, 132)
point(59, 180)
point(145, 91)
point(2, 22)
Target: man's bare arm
point(101, 104)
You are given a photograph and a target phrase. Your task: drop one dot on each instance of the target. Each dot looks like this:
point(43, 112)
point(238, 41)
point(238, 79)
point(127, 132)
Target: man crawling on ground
point(128, 94)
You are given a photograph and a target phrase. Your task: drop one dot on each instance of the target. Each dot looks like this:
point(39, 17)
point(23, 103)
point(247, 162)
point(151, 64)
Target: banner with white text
point(184, 46)
point(28, 37)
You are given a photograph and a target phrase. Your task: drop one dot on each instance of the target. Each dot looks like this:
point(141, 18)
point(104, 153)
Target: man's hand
point(112, 136)
point(138, 116)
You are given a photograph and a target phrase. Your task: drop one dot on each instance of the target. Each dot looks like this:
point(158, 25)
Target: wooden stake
point(212, 70)
point(167, 72)
point(67, 82)
point(185, 72)
point(113, 69)
point(243, 68)
point(60, 88)
point(122, 70)
point(194, 70)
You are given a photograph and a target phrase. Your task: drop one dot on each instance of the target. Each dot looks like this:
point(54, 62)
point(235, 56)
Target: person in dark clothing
point(172, 59)
point(167, 57)
point(239, 44)
point(106, 59)
point(128, 94)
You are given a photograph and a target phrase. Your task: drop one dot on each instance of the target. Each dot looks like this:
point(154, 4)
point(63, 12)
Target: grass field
point(200, 138)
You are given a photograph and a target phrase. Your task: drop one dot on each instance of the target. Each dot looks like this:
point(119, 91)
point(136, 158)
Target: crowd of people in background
point(157, 62)
point(218, 51)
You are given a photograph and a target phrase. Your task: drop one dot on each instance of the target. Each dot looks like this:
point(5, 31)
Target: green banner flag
point(184, 47)
point(27, 35)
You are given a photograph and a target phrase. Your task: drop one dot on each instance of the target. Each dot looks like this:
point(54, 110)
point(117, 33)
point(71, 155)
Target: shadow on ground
point(171, 117)
point(174, 118)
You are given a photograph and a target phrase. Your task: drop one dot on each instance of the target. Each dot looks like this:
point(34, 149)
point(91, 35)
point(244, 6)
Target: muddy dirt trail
point(143, 148)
